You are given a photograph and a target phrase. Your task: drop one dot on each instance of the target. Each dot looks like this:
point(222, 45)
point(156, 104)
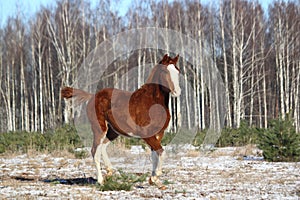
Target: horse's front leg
point(157, 154)
point(157, 158)
point(160, 163)
point(157, 161)
point(160, 153)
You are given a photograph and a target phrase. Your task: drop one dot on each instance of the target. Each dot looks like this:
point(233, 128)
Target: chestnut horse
point(143, 113)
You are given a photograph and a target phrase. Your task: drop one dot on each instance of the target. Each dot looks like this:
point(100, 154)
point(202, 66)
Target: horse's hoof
point(100, 182)
point(109, 172)
point(159, 173)
point(155, 181)
point(150, 181)
point(163, 187)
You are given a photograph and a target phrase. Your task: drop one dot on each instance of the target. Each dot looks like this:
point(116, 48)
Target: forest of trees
point(257, 52)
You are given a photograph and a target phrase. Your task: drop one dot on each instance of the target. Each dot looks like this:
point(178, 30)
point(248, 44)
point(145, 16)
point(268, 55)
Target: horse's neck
point(158, 93)
point(166, 97)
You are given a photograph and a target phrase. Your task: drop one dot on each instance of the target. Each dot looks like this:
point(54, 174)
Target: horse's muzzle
point(176, 93)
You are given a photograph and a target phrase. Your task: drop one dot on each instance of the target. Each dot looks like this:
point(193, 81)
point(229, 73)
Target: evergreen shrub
point(280, 142)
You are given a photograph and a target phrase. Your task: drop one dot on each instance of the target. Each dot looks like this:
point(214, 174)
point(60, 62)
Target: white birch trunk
point(41, 100)
point(187, 101)
point(24, 98)
point(265, 99)
point(280, 66)
point(13, 93)
point(236, 92)
point(252, 78)
point(226, 82)
point(297, 101)
point(9, 99)
point(4, 106)
point(53, 98)
point(259, 106)
point(286, 66)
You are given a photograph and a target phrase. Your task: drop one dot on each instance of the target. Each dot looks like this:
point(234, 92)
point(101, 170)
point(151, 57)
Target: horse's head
point(169, 76)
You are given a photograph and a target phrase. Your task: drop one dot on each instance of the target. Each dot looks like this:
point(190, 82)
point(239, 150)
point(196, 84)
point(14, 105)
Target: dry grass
point(247, 150)
point(10, 154)
point(193, 153)
point(63, 154)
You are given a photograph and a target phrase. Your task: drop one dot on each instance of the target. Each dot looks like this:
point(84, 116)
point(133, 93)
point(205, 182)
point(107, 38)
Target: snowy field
point(226, 173)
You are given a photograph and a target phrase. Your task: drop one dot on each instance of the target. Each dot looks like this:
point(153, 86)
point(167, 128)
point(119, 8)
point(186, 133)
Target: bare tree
point(258, 58)
point(284, 22)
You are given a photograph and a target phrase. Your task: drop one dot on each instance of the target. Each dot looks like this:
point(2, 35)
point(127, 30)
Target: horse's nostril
point(176, 93)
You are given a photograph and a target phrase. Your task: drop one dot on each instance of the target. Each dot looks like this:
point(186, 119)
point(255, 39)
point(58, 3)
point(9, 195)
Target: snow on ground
point(226, 173)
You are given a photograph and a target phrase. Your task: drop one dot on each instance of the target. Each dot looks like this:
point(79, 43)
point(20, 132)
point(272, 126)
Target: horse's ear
point(165, 58)
point(176, 58)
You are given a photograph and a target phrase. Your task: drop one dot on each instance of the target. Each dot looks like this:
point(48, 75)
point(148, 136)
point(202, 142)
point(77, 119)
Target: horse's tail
point(80, 95)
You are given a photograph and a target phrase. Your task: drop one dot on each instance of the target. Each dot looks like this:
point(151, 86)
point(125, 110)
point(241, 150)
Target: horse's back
point(107, 97)
point(103, 101)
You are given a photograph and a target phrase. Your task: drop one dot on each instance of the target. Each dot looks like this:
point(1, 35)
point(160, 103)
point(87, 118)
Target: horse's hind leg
point(99, 137)
point(110, 136)
point(106, 160)
point(99, 128)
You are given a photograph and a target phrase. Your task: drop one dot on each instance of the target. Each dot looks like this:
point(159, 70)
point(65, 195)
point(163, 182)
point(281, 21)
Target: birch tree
point(225, 63)
point(62, 28)
point(38, 50)
point(3, 99)
point(11, 81)
point(284, 22)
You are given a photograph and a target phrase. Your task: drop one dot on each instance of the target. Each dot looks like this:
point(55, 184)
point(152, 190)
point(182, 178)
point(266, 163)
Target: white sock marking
point(154, 157)
point(160, 162)
point(106, 160)
point(97, 159)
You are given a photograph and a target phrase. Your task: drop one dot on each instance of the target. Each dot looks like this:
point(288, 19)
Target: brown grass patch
point(62, 154)
point(193, 153)
point(247, 150)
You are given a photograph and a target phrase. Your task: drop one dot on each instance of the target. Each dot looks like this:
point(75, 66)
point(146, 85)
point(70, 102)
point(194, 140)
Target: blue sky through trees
point(27, 8)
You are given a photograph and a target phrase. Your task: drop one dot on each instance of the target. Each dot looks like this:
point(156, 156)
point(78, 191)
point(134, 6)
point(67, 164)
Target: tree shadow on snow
point(70, 181)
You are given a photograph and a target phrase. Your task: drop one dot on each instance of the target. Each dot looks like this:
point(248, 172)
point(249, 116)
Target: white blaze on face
point(175, 79)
